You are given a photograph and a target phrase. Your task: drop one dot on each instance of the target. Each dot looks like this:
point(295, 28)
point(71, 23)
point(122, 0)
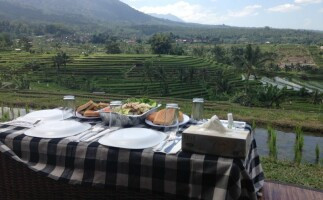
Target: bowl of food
point(133, 112)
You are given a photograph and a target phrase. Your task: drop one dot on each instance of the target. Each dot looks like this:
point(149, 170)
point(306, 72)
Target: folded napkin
point(23, 122)
point(171, 147)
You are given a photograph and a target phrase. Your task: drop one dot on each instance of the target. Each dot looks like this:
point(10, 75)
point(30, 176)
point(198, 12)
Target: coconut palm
point(251, 59)
point(61, 59)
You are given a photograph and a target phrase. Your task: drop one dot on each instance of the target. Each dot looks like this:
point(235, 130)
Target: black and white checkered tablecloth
point(185, 174)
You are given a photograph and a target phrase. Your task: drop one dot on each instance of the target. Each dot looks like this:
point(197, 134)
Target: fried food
point(88, 109)
point(84, 107)
point(91, 113)
point(163, 118)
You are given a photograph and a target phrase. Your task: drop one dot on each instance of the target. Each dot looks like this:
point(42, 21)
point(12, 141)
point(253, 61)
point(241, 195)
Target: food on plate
point(84, 107)
point(91, 113)
point(161, 118)
point(135, 106)
point(152, 116)
point(106, 109)
point(150, 102)
point(103, 105)
point(90, 109)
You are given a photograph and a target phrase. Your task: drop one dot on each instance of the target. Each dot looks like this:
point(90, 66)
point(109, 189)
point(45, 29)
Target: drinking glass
point(69, 106)
point(114, 120)
point(171, 117)
point(197, 110)
point(230, 121)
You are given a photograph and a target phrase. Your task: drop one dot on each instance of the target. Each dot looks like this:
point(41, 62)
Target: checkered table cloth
point(186, 174)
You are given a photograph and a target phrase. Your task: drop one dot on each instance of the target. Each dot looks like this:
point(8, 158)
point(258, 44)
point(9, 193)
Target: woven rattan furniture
point(19, 182)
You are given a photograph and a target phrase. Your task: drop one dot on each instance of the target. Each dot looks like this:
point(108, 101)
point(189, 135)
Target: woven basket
point(17, 181)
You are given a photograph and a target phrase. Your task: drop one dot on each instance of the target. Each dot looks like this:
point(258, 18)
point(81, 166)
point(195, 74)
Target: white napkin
point(23, 122)
point(171, 147)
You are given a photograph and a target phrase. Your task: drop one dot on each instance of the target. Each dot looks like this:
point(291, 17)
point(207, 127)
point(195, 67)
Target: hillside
point(184, 76)
point(113, 16)
point(98, 10)
point(16, 12)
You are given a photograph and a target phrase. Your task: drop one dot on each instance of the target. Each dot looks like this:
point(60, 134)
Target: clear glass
point(69, 106)
point(197, 109)
point(171, 117)
point(230, 121)
point(114, 121)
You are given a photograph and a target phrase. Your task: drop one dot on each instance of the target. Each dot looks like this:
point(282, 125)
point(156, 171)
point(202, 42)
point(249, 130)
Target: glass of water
point(171, 117)
point(197, 110)
point(69, 106)
point(114, 120)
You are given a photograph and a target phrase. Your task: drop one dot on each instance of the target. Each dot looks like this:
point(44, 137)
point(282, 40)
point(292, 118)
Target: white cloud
point(307, 1)
point(321, 10)
point(186, 11)
point(284, 8)
point(246, 11)
point(199, 14)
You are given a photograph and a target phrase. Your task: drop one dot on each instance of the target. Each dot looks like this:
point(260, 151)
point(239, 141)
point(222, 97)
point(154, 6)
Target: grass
point(51, 97)
point(308, 175)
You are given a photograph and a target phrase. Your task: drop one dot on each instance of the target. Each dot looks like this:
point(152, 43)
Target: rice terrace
point(72, 79)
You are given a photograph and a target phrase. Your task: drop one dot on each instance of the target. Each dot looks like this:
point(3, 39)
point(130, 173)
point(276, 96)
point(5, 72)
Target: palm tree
point(252, 59)
point(61, 59)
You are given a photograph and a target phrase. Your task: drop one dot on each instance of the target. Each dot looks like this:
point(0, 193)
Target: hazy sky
point(298, 14)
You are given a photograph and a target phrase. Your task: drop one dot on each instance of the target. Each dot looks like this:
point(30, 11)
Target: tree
point(219, 54)
point(61, 59)
point(5, 40)
point(161, 43)
point(25, 44)
point(270, 95)
point(199, 51)
point(251, 60)
point(112, 46)
point(177, 50)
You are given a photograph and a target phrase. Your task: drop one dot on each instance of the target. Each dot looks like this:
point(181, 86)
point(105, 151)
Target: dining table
point(184, 175)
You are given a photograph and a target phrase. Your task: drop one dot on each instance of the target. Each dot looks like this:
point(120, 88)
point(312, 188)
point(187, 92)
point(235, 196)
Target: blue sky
point(296, 14)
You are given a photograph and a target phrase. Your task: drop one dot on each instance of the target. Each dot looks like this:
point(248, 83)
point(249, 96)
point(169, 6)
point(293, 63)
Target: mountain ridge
point(87, 10)
point(167, 16)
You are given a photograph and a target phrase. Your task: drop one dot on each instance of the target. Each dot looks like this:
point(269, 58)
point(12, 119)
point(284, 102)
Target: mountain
point(16, 12)
point(81, 10)
point(167, 16)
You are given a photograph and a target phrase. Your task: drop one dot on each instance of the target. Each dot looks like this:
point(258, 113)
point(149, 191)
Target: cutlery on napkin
point(101, 134)
point(169, 146)
point(86, 134)
point(30, 123)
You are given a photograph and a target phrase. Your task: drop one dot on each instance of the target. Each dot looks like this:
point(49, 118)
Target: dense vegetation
point(50, 50)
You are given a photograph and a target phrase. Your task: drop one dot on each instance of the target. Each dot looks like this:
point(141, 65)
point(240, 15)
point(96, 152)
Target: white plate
point(78, 115)
point(57, 129)
point(133, 138)
point(43, 115)
point(185, 120)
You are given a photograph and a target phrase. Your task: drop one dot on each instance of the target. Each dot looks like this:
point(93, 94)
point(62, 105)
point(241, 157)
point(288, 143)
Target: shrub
point(317, 153)
point(272, 142)
point(299, 143)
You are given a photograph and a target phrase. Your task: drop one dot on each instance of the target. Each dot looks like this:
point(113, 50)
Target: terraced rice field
point(126, 74)
point(317, 55)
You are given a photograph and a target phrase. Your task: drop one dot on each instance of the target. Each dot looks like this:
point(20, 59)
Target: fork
point(95, 131)
point(171, 137)
point(78, 137)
